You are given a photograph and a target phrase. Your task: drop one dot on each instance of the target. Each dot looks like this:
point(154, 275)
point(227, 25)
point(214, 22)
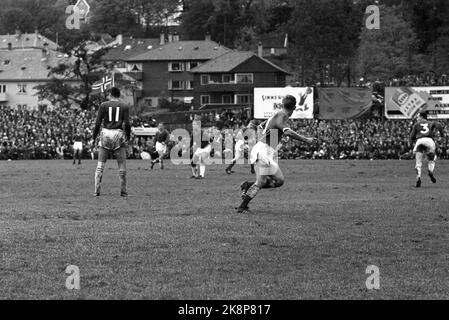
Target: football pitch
point(177, 238)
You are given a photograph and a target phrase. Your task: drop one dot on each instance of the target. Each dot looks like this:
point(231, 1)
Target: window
point(244, 78)
point(192, 65)
point(227, 99)
point(6, 62)
point(176, 85)
point(244, 99)
point(227, 78)
point(175, 67)
point(205, 100)
point(205, 79)
point(148, 102)
point(22, 88)
point(2, 88)
point(189, 85)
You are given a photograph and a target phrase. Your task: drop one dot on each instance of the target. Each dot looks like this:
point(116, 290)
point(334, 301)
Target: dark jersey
point(426, 129)
point(273, 129)
point(113, 115)
point(162, 137)
point(77, 138)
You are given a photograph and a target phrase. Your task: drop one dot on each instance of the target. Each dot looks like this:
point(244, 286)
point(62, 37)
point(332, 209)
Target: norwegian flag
point(104, 83)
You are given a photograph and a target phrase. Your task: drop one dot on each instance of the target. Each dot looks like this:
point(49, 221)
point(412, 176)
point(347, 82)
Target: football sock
point(99, 176)
point(194, 171)
point(122, 176)
point(419, 158)
point(431, 166)
point(250, 195)
point(202, 169)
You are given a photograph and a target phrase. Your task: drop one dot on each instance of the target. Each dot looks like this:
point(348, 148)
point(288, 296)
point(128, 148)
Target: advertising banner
point(267, 101)
point(406, 102)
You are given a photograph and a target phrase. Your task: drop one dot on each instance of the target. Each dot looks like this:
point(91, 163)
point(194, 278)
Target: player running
point(241, 145)
point(203, 144)
point(113, 138)
point(161, 140)
point(77, 147)
point(424, 132)
point(268, 173)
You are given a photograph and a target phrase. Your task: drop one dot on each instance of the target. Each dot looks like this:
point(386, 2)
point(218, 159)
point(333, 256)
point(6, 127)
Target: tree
point(391, 51)
point(71, 83)
point(324, 35)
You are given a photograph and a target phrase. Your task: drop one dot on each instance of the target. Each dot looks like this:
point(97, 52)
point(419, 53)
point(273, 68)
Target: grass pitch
point(176, 238)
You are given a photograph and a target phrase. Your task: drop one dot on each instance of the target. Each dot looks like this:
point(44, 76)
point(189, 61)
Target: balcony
point(136, 75)
point(226, 87)
point(3, 97)
point(225, 106)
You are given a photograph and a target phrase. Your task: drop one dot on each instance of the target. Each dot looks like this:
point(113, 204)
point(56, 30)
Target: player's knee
point(279, 183)
point(100, 166)
point(262, 182)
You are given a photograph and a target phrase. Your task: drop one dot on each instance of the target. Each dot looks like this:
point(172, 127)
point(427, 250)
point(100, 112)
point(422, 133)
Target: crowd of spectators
point(27, 134)
point(357, 139)
point(42, 134)
point(48, 135)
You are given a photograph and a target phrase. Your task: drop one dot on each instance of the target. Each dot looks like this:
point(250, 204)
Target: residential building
point(25, 62)
point(166, 68)
point(228, 81)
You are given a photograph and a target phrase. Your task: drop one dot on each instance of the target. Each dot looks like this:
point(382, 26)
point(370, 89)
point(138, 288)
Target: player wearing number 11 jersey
point(113, 137)
point(424, 134)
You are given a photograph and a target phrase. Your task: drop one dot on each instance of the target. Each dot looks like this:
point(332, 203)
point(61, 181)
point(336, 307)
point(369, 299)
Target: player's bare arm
point(283, 125)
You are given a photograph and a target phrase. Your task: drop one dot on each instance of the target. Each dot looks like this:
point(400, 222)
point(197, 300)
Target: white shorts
point(201, 154)
point(78, 146)
point(112, 139)
point(161, 148)
point(425, 145)
point(266, 157)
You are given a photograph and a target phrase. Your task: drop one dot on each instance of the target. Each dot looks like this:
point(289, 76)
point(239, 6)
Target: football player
point(161, 140)
point(241, 145)
point(77, 147)
point(203, 143)
point(268, 173)
point(423, 133)
point(116, 131)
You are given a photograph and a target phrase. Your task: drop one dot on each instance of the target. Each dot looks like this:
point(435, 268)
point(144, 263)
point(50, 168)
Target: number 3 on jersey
point(425, 128)
point(117, 114)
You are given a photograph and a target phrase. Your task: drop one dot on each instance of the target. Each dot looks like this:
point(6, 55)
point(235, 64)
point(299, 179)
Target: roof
point(229, 61)
point(183, 50)
point(130, 48)
point(273, 40)
point(26, 41)
point(28, 64)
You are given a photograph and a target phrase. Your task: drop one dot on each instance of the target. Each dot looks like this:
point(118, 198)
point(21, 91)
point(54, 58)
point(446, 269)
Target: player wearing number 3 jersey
point(113, 137)
point(424, 133)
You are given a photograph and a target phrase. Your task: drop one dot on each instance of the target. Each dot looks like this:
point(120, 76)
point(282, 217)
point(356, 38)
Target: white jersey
point(239, 146)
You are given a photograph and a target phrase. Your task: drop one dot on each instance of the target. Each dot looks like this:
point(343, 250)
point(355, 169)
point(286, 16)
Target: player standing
point(77, 147)
point(268, 173)
point(115, 133)
point(424, 133)
point(161, 139)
